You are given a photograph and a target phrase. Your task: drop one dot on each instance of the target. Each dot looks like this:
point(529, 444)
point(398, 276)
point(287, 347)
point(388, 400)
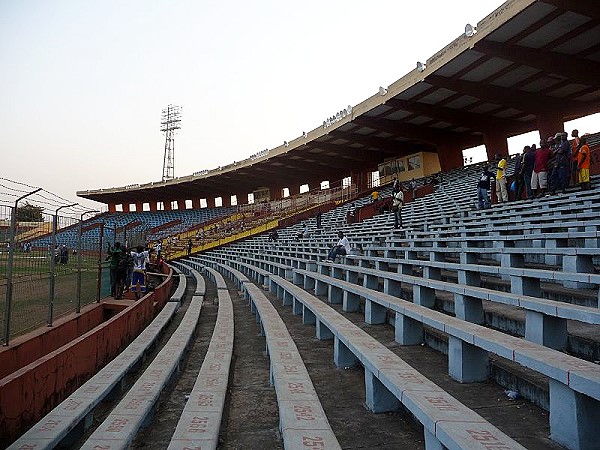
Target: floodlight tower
point(170, 122)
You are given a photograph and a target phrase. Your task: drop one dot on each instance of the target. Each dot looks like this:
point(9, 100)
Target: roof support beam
point(576, 70)
point(394, 148)
point(385, 145)
point(590, 8)
point(521, 100)
point(423, 134)
point(474, 121)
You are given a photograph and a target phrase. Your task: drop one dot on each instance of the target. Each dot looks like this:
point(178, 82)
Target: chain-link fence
point(49, 268)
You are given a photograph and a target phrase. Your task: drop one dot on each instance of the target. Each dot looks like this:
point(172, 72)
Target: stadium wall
point(32, 391)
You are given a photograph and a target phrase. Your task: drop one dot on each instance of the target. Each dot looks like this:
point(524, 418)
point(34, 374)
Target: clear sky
point(82, 83)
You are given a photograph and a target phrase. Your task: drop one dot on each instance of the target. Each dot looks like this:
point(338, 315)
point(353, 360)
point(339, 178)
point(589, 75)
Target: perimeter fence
point(50, 268)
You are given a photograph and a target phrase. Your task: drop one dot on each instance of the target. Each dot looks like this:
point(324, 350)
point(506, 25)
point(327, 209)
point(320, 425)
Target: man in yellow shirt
point(501, 191)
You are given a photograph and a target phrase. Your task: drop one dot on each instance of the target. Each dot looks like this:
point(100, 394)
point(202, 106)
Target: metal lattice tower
point(170, 122)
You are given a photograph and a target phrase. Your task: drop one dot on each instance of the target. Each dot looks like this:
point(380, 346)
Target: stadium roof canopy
point(532, 64)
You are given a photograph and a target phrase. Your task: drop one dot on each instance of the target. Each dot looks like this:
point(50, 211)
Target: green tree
point(29, 213)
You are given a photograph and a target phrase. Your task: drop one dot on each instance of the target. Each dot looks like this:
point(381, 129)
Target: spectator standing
point(64, 254)
point(114, 257)
point(341, 248)
point(561, 163)
point(129, 268)
point(158, 249)
point(397, 203)
point(121, 274)
point(583, 163)
point(189, 247)
point(483, 186)
point(138, 280)
point(519, 181)
point(318, 220)
point(574, 157)
point(351, 214)
point(395, 186)
point(501, 191)
point(527, 168)
point(413, 188)
point(539, 177)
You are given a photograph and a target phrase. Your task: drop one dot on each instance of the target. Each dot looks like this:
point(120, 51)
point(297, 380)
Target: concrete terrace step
point(121, 426)
point(200, 421)
point(302, 421)
point(390, 381)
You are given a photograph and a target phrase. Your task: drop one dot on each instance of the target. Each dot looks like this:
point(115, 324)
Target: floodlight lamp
point(338, 116)
point(324, 124)
point(285, 143)
point(382, 90)
point(304, 135)
point(421, 66)
point(349, 109)
point(470, 30)
point(344, 113)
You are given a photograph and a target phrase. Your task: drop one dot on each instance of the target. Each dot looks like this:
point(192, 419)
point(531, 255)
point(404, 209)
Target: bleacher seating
point(143, 221)
point(133, 411)
point(449, 269)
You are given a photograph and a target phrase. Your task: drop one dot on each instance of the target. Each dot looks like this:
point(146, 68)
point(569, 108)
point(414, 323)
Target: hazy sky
point(82, 83)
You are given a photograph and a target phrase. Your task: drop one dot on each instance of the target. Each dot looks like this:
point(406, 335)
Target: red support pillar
point(242, 199)
point(153, 206)
point(495, 144)
point(112, 207)
point(181, 204)
point(450, 157)
point(126, 207)
point(276, 192)
point(313, 184)
point(210, 202)
point(139, 206)
point(549, 125)
point(226, 200)
point(167, 205)
point(195, 203)
point(360, 180)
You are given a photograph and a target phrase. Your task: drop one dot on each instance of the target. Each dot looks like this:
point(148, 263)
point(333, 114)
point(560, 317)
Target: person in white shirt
point(140, 258)
point(397, 203)
point(342, 247)
point(303, 233)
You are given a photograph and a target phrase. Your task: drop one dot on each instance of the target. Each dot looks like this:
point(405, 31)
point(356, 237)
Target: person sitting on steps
point(342, 248)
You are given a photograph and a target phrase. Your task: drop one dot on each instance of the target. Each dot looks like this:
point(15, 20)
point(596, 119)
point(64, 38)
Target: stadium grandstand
point(463, 328)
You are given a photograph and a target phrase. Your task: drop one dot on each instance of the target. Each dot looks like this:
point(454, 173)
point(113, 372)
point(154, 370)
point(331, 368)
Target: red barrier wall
point(32, 391)
point(25, 349)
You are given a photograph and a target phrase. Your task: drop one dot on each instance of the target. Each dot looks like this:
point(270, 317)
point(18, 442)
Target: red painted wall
point(32, 391)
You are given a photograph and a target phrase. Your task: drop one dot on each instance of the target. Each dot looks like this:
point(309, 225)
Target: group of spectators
point(128, 269)
point(553, 167)
point(61, 254)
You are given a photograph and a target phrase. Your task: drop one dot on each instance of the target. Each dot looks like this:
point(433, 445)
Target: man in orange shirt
point(583, 163)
